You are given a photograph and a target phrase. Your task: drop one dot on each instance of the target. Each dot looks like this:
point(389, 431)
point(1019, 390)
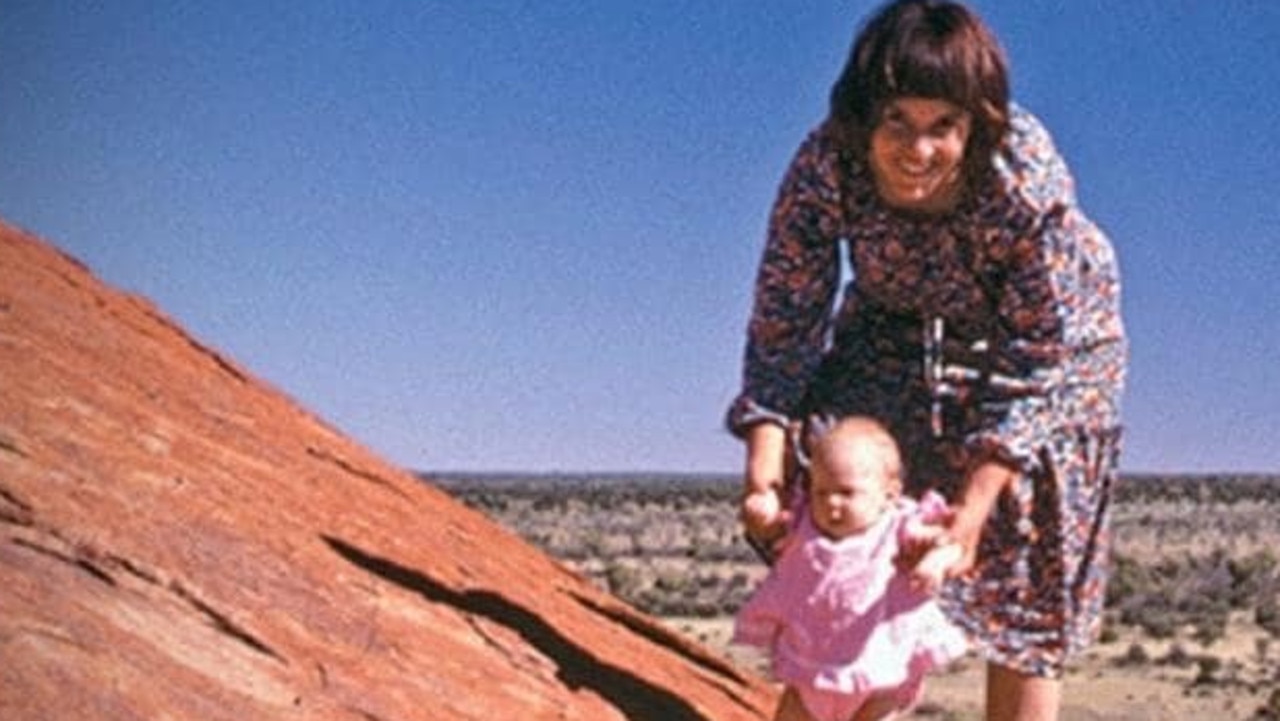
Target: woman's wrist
point(983, 485)
point(758, 488)
point(766, 457)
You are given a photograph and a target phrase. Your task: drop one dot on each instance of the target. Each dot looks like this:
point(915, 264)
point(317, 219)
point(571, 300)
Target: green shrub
point(1211, 629)
point(1208, 668)
point(1270, 711)
point(623, 581)
point(1129, 579)
point(1267, 616)
point(1177, 657)
point(1159, 621)
point(1136, 655)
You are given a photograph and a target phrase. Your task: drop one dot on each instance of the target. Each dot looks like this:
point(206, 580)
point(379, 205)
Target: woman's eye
point(946, 126)
point(898, 128)
point(892, 120)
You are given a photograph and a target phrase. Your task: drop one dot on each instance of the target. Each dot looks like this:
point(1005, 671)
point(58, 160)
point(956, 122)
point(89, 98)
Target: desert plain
point(1192, 628)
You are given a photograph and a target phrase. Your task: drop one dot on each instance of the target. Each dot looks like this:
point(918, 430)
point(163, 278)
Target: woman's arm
point(763, 512)
point(982, 487)
point(794, 291)
point(947, 546)
point(766, 457)
point(1057, 309)
point(787, 334)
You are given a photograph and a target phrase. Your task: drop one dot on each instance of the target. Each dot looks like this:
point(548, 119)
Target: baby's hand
point(935, 565)
point(927, 552)
point(923, 533)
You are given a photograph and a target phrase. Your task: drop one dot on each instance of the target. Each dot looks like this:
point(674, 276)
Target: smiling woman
point(916, 152)
point(968, 250)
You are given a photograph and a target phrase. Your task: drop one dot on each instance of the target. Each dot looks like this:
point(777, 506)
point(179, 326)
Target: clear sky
point(520, 236)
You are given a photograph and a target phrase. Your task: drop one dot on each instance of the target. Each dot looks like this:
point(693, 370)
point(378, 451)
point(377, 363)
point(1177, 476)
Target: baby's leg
point(791, 707)
point(879, 707)
point(813, 705)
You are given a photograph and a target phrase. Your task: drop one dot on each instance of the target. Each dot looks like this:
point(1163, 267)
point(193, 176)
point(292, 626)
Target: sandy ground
point(1103, 685)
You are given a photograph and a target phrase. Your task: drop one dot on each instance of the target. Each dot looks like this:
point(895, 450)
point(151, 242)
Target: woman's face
point(917, 153)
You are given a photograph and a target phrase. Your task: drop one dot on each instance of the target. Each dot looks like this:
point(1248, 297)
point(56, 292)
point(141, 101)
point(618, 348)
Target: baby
point(849, 633)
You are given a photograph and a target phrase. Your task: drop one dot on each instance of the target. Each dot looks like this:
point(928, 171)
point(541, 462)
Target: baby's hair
point(827, 435)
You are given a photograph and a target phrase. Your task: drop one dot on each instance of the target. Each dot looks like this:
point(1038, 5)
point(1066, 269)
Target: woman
point(980, 323)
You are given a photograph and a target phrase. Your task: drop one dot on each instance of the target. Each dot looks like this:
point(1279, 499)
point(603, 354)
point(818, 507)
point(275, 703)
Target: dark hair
point(931, 49)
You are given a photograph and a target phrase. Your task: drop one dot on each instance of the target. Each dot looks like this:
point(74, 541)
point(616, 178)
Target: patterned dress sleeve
point(794, 291)
point(1058, 307)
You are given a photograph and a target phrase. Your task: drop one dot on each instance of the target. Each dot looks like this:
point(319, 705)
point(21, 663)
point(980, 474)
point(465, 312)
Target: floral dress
point(992, 332)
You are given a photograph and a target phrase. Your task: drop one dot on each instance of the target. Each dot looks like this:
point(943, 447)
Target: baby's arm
point(928, 553)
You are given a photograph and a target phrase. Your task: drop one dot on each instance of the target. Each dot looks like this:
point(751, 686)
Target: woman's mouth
point(917, 173)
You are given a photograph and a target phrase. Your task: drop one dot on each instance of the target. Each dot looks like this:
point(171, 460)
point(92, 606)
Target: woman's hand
point(926, 551)
point(985, 483)
point(947, 546)
point(764, 516)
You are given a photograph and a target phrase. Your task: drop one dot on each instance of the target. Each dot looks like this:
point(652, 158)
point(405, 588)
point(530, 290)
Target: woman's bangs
point(930, 73)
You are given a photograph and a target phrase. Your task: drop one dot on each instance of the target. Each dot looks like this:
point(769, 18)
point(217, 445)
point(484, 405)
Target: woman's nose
point(920, 146)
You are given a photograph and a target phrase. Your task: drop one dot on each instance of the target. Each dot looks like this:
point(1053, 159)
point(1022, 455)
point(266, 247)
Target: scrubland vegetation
point(1196, 559)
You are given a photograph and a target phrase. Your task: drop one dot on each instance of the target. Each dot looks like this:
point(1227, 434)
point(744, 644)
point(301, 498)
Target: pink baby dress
point(841, 622)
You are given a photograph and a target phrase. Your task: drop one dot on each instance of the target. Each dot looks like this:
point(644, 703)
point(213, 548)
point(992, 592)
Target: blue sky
point(520, 236)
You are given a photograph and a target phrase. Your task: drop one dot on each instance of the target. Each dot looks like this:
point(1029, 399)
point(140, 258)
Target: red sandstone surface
point(179, 540)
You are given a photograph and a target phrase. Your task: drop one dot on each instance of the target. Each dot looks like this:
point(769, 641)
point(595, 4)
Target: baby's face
point(850, 490)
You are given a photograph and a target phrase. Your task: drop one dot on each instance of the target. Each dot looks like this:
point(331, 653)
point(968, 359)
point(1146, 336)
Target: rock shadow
point(577, 668)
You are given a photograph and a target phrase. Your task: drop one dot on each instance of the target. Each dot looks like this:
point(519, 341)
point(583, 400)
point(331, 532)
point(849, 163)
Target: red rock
point(179, 540)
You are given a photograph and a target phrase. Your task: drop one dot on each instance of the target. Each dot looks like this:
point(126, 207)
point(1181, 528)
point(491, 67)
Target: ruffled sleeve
point(1058, 307)
point(795, 288)
point(930, 510)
